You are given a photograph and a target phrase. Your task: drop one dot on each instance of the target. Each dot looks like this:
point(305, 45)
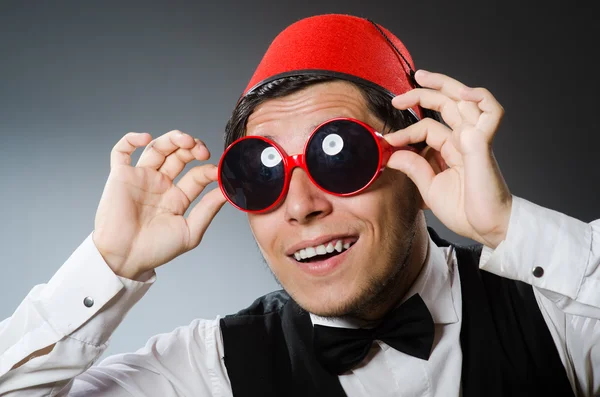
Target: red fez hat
point(342, 46)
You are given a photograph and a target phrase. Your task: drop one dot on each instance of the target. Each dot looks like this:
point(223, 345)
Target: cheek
point(264, 229)
point(381, 200)
point(389, 204)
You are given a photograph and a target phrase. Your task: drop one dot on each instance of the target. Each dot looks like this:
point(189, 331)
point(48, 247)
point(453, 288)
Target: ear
point(435, 160)
point(437, 163)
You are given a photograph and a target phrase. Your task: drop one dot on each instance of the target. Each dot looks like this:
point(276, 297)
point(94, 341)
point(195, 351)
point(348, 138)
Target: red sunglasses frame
point(298, 160)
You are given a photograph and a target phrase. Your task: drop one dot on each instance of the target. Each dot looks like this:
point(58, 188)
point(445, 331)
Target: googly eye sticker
point(333, 144)
point(270, 157)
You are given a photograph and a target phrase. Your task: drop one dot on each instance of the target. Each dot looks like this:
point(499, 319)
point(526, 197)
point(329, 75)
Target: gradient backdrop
point(76, 76)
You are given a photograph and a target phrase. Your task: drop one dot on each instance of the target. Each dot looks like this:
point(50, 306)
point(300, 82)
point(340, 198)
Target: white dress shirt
point(189, 360)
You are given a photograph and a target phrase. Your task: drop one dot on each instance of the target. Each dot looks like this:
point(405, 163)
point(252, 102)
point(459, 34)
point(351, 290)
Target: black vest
point(507, 347)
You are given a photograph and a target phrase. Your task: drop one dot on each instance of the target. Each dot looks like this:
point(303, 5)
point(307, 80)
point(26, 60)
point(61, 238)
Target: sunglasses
point(342, 157)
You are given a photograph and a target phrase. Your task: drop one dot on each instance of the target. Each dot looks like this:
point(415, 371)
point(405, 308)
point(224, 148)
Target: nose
point(305, 202)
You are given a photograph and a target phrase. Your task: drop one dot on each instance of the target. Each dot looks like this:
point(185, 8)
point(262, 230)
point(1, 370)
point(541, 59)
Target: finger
point(433, 100)
point(415, 167)
point(493, 112)
point(451, 88)
point(195, 180)
point(440, 82)
point(203, 213)
point(158, 150)
point(121, 152)
point(435, 134)
point(176, 162)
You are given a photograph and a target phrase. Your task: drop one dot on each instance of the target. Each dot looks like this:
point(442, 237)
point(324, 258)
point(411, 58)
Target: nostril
point(303, 218)
point(314, 214)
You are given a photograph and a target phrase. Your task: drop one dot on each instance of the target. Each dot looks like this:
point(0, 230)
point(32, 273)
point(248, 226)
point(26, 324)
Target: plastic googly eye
point(270, 157)
point(333, 144)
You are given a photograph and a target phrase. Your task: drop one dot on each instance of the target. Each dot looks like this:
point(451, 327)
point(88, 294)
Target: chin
point(329, 301)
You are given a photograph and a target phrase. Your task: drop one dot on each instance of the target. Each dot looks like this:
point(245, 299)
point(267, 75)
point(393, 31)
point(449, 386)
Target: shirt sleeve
point(559, 256)
point(74, 314)
point(185, 362)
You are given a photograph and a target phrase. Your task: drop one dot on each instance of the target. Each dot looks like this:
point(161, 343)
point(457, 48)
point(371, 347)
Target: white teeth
point(322, 249)
point(338, 246)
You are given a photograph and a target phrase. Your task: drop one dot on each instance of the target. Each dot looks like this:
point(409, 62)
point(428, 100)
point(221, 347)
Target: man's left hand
point(457, 174)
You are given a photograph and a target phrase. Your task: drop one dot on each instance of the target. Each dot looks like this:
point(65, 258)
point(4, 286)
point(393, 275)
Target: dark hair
point(378, 101)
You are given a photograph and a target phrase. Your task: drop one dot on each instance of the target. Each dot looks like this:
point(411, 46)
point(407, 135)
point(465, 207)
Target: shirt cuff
point(82, 287)
point(543, 248)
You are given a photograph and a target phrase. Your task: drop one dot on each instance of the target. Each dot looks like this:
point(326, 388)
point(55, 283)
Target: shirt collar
point(434, 284)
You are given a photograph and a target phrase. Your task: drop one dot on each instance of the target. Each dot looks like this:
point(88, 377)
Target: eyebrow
point(312, 128)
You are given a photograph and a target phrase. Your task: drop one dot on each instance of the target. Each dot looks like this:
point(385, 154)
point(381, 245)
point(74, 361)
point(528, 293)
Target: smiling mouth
point(324, 251)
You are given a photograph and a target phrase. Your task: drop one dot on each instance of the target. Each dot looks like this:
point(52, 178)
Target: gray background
point(76, 76)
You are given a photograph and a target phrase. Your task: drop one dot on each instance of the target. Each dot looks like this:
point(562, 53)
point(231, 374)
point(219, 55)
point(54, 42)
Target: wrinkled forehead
point(292, 118)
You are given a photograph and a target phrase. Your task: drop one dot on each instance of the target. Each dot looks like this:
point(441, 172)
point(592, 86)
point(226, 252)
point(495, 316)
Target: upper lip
point(317, 241)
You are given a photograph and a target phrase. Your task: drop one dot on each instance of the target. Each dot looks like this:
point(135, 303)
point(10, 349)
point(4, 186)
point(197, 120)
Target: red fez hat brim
point(341, 46)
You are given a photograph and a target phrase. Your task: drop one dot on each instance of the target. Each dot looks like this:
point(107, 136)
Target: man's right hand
point(139, 223)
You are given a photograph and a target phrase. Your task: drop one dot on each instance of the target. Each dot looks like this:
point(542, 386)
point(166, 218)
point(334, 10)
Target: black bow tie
point(408, 328)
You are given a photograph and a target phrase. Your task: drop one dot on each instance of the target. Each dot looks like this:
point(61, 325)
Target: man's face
point(375, 223)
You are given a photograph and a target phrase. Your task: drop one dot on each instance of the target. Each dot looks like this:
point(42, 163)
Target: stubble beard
point(381, 290)
point(384, 290)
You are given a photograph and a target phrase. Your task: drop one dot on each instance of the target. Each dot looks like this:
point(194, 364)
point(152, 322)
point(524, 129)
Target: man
point(375, 304)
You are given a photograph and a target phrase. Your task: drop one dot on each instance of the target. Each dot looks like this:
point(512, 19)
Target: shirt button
point(88, 301)
point(538, 271)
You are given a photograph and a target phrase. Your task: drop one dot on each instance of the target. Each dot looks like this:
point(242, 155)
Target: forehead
point(295, 116)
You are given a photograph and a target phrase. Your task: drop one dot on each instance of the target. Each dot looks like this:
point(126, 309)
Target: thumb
point(415, 167)
point(202, 215)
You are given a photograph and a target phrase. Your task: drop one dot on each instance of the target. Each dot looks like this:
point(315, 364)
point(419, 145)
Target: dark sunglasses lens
point(342, 156)
point(252, 174)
